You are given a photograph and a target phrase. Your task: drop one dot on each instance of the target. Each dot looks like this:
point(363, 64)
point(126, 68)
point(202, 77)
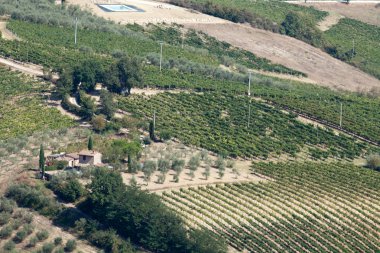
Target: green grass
point(367, 43)
point(21, 107)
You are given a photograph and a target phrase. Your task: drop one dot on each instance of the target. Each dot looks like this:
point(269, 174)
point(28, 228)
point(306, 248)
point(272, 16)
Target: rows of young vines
point(304, 207)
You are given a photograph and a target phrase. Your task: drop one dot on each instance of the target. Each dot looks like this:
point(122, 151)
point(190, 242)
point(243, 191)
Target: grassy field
point(306, 207)
point(21, 107)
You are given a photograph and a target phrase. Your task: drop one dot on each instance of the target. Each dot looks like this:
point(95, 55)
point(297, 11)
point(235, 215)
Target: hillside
point(207, 136)
point(318, 65)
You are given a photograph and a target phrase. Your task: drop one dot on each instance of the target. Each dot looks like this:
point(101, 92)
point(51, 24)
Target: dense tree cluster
point(142, 217)
point(302, 27)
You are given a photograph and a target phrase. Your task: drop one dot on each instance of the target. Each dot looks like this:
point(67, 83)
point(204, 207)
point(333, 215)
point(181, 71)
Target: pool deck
point(113, 8)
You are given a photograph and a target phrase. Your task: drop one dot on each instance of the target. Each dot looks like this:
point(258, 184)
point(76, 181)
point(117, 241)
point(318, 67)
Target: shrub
point(32, 242)
point(70, 190)
point(20, 236)
point(4, 218)
point(58, 240)
point(59, 250)
point(166, 135)
point(373, 161)
point(6, 205)
point(42, 235)
point(6, 232)
point(9, 246)
point(16, 224)
point(47, 248)
point(71, 245)
point(28, 228)
point(27, 196)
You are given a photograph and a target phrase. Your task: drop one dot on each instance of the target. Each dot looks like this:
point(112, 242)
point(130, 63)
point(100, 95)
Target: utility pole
point(161, 44)
point(76, 31)
point(341, 114)
point(249, 83)
point(154, 119)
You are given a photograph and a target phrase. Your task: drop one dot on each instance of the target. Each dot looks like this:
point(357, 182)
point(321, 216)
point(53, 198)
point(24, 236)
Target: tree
point(151, 131)
point(90, 144)
point(206, 173)
point(302, 27)
point(64, 83)
point(42, 162)
point(108, 106)
point(124, 75)
point(221, 166)
point(194, 163)
point(163, 165)
point(98, 123)
point(373, 161)
point(148, 169)
point(87, 104)
point(107, 189)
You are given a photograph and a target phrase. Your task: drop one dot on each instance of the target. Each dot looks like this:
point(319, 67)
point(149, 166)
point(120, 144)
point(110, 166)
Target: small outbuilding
point(89, 157)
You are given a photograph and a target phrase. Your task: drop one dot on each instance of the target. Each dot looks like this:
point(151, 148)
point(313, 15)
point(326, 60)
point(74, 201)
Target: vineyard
point(360, 113)
point(304, 207)
point(239, 127)
point(351, 34)
point(202, 50)
point(21, 109)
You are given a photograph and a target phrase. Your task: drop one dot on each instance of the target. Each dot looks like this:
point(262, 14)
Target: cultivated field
point(319, 66)
point(307, 208)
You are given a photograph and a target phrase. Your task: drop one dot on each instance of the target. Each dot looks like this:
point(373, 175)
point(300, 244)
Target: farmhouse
point(89, 157)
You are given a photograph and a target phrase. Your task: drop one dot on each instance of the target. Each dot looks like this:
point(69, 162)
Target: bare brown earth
point(5, 33)
point(365, 12)
point(318, 65)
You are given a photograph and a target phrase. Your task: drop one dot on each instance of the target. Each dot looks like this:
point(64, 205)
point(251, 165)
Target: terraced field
point(303, 208)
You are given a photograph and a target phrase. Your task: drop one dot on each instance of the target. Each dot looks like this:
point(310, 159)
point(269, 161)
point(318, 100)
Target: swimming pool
point(119, 8)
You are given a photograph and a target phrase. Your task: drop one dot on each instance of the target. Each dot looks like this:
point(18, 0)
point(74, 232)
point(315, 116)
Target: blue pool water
point(119, 8)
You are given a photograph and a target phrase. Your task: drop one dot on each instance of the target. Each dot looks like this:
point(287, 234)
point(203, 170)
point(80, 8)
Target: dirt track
point(319, 66)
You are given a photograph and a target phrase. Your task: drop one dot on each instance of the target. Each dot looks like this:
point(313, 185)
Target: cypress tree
point(151, 131)
point(42, 161)
point(90, 144)
point(129, 163)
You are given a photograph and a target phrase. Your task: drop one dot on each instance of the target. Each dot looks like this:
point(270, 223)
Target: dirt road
point(318, 65)
point(29, 69)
